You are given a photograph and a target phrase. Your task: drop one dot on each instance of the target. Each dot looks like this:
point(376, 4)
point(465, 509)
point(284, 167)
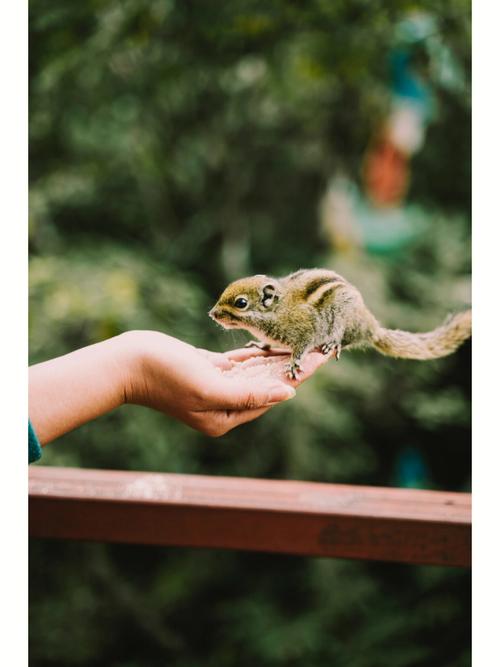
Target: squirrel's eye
point(240, 302)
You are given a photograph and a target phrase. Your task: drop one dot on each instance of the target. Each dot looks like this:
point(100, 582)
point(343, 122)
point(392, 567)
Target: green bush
point(176, 146)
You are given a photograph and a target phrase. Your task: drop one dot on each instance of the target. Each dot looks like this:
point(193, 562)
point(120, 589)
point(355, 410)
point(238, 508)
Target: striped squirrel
point(319, 309)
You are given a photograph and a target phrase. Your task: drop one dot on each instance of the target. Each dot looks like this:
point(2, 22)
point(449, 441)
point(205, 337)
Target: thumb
point(246, 395)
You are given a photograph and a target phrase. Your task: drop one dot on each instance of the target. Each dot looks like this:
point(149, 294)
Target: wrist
point(136, 358)
point(128, 362)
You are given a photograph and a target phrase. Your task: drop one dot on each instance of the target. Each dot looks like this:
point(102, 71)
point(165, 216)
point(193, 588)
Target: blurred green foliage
point(175, 146)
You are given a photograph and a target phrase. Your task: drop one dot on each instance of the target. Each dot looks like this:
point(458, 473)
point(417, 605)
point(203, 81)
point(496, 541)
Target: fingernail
point(280, 393)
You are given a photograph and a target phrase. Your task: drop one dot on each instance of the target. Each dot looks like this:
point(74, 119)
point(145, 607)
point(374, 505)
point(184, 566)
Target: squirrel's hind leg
point(334, 341)
point(326, 348)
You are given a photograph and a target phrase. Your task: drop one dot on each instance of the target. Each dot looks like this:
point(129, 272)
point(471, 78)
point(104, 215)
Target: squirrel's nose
point(211, 313)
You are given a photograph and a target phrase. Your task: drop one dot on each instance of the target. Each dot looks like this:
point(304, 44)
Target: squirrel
point(319, 309)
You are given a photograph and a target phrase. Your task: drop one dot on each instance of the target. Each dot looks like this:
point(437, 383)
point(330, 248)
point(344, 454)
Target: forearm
point(68, 391)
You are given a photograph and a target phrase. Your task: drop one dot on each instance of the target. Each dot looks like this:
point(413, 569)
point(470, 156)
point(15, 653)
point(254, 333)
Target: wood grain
point(290, 517)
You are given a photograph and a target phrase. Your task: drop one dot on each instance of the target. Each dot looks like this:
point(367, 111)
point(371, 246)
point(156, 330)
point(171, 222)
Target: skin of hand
point(211, 392)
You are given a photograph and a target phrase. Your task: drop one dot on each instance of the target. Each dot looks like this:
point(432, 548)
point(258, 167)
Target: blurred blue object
point(387, 231)
point(406, 83)
point(411, 470)
point(350, 220)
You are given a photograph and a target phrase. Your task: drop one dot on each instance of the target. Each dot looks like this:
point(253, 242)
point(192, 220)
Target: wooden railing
point(302, 518)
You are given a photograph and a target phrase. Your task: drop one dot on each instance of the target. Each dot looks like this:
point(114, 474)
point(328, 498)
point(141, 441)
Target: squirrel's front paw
point(293, 369)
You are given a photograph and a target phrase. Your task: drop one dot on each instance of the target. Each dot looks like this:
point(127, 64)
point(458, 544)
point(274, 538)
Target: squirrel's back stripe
point(297, 274)
point(317, 290)
point(311, 287)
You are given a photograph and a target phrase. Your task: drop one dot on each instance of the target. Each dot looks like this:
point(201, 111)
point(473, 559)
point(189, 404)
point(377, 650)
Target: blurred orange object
point(386, 173)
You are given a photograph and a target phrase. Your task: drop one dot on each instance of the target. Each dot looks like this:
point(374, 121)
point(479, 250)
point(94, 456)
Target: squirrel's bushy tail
point(431, 345)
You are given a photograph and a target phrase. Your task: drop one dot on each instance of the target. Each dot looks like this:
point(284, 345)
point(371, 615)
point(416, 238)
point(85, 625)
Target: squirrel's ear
point(269, 295)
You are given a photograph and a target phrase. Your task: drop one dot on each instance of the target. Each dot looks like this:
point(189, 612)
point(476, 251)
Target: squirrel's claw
point(294, 368)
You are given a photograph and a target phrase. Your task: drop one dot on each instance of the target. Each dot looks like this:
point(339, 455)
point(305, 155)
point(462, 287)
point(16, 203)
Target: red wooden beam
point(302, 518)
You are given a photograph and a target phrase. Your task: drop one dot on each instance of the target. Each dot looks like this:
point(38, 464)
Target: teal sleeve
point(34, 448)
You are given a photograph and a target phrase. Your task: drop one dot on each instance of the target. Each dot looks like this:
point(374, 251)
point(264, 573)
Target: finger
point(218, 359)
point(245, 353)
point(208, 354)
point(248, 394)
point(266, 369)
point(227, 360)
point(259, 369)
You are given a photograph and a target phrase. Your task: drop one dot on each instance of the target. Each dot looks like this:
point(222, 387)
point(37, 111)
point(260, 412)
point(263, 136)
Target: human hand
point(265, 365)
point(212, 392)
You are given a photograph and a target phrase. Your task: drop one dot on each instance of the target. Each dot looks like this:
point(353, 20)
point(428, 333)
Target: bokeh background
point(175, 146)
